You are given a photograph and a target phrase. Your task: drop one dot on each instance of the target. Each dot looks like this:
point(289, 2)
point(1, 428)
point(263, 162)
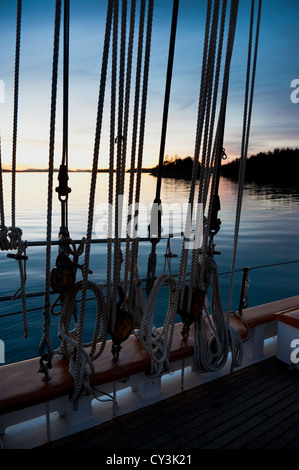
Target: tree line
point(280, 167)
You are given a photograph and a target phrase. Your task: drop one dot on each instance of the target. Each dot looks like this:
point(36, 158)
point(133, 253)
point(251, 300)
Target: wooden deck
point(254, 408)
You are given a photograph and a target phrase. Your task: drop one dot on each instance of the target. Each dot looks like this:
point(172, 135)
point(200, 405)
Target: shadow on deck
point(254, 408)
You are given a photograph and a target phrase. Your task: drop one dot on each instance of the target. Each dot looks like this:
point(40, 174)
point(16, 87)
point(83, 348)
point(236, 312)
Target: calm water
point(268, 235)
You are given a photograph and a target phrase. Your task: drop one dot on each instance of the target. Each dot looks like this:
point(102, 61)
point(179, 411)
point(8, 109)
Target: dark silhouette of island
point(180, 168)
point(280, 167)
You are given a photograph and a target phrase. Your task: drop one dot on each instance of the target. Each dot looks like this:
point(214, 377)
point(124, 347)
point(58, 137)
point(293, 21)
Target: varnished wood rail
point(21, 385)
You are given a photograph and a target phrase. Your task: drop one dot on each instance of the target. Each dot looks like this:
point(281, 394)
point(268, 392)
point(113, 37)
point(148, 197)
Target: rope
point(130, 259)
point(220, 326)
point(67, 313)
point(65, 81)
point(211, 353)
point(158, 344)
point(134, 249)
point(123, 116)
point(245, 136)
point(218, 144)
point(111, 153)
point(46, 341)
point(130, 218)
point(120, 310)
point(15, 116)
point(78, 369)
point(63, 190)
point(157, 200)
point(200, 118)
point(167, 96)
point(11, 237)
point(206, 167)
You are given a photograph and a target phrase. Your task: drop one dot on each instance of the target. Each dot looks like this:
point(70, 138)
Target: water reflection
point(278, 196)
point(268, 235)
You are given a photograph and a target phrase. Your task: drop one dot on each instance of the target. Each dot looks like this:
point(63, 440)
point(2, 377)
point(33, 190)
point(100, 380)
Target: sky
point(275, 118)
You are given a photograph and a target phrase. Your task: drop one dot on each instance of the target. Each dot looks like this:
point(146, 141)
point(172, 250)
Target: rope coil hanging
point(158, 345)
point(208, 354)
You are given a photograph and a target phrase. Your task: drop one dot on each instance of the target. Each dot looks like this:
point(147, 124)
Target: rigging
point(116, 312)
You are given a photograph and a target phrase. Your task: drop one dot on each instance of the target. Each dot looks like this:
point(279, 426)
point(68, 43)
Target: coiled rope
point(211, 350)
point(69, 339)
point(226, 337)
point(158, 343)
point(209, 354)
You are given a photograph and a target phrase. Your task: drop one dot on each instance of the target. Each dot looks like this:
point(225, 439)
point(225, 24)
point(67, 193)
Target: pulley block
point(197, 304)
point(63, 275)
point(123, 327)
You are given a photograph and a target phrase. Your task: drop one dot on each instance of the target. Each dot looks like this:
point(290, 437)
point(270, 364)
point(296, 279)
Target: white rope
point(181, 280)
point(158, 344)
point(134, 249)
point(245, 137)
point(211, 350)
point(45, 348)
point(78, 369)
point(117, 257)
point(130, 219)
point(124, 107)
point(223, 335)
point(203, 267)
point(111, 154)
point(206, 166)
point(131, 254)
point(70, 339)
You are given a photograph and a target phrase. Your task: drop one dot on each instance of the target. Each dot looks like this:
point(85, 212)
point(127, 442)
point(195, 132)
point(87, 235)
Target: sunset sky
point(275, 120)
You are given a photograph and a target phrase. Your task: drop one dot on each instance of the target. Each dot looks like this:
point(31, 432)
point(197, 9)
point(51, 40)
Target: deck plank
point(255, 407)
